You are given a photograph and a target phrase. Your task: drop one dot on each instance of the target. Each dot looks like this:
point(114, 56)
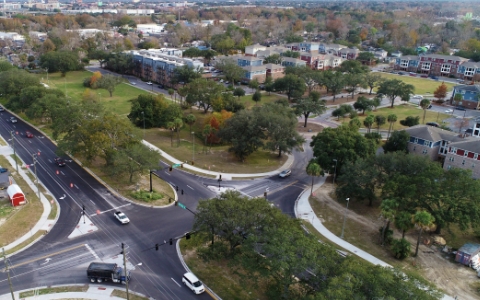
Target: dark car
point(433, 77)
point(2, 109)
point(3, 170)
point(459, 108)
point(424, 76)
point(401, 73)
point(434, 124)
point(59, 161)
point(469, 131)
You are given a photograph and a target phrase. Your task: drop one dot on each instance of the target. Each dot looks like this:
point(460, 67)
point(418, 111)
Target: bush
point(86, 82)
point(401, 248)
point(146, 196)
point(377, 137)
point(353, 114)
point(440, 101)
point(410, 121)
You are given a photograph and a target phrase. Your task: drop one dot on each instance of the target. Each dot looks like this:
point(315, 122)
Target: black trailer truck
point(106, 272)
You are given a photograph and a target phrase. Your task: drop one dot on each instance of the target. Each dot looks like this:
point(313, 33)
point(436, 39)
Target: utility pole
point(34, 157)
point(125, 268)
point(83, 212)
point(14, 154)
point(8, 273)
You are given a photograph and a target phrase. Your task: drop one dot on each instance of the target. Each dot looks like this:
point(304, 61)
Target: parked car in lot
point(285, 173)
point(121, 217)
point(420, 97)
point(221, 81)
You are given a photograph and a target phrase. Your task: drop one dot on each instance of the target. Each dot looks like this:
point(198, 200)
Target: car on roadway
point(434, 124)
point(448, 111)
point(13, 120)
point(419, 97)
point(192, 282)
point(28, 134)
point(121, 217)
point(59, 161)
point(460, 108)
point(149, 83)
point(3, 170)
point(285, 173)
point(2, 109)
point(133, 83)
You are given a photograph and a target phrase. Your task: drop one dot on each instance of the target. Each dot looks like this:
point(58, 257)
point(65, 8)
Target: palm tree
point(380, 120)
point(423, 220)
point(368, 122)
point(391, 119)
point(403, 222)
point(388, 209)
point(178, 124)
point(171, 126)
point(313, 169)
point(424, 104)
point(190, 120)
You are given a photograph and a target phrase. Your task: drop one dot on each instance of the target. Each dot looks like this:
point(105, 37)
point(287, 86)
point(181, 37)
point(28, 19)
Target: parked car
point(420, 97)
point(430, 106)
point(121, 217)
point(133, 83)
point(28, 134)
point(160, 86)
point(227, 82)
point(434, 77)
point(412, 74)
point(424, 76)
point(221, 81)
point(285, 173)
point(459, 108)
point(469, 131)
point(59, 161)
point(434, 124)
point(401, 73)
point(149, 83)
point(3, 170)
point(448, 111)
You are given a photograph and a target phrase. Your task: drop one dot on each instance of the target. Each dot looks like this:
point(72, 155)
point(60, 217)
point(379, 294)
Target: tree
point(230, 69)
point(171, 92)
point(314, 170)
point(306, 106)
point(363, 104)
point(352, 67)
point(289, 53)
point(401, 248)
point(334, 81)
point(257, 96)
point(403, 222)
point(397, 142)
point(344, 144)
point(423, 220)
point(368, 122)
point(205, 92)
point(424, 104)
point(190, 120)
point(243, 133)
point(388, 209)
point(178, 123)
point(185, 74)
point(239, 92)
point(5, 66)
point(372, 80)
point(353, 82)
point(342, 110)
point(273, 59)
point(391, 119)
point(109, 82)
point(410, 121)
point(63, 61)
point(366, 57)
point(380, 120)
point(132, 160)
point(393, 88)
point(461, 123)
point(457, 99)
point(253, 84)
point(292, 85)
point(441, 92)
point(376, 102)
point(13, 81)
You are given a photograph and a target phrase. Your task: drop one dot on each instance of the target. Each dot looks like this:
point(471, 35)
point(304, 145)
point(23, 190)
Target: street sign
point(181, 205)
point(176, 165)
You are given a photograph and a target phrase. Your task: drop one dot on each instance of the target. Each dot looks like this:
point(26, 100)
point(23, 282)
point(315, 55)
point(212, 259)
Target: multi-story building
point(243, 61)
point(255, 72)
point(253, 49)
point(348, 53)
point(321, 61)
point(293, 62)
point(330, 48)
point(469, 71)
point(275, 71)
point(303, 47)
point(470, 95)
point(451, 149)
point(436, 64)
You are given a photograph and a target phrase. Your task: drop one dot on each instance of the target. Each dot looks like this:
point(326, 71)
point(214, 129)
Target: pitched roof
point(446, 57)
point(273, 66)
point(470, 144)
point(254, 68)
point(471, 88)
point(433, 134)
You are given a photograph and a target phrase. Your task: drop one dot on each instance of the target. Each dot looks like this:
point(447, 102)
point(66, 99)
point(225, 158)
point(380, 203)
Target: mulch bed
point(311, 127)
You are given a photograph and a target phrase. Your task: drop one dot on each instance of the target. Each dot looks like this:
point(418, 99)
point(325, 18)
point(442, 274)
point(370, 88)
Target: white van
point(192, 282)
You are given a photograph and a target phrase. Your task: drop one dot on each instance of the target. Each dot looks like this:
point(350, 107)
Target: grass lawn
point(422, 85)
point(21, 218)
point(266, 98)
point(403, 111)
point(72, 85)
point(54, 290)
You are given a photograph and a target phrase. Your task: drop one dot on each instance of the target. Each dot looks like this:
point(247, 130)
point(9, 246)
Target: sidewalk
point(97, 292)
point(225, 176)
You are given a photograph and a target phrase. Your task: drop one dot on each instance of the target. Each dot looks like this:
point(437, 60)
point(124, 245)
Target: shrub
point(377, 137)
point(401, 248)
point(353, 114)
point(410, 121)
point(146, 196)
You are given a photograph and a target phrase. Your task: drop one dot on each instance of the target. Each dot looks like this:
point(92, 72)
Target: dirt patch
point(434, 265)
point(311, 127)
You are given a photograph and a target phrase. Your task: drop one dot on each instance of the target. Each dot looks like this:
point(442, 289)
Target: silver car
point(285, 173)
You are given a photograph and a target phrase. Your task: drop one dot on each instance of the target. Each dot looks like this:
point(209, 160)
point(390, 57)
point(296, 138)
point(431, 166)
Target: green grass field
point(403, 111)
point(422, 85)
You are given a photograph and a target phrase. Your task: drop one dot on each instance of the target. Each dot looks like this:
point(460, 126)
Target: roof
point(410, 57)
point(471, 88)
point(471, 64)
point(469, 248)
point(469, 144)
point(250, 58)
point(13, 190)
point(273, 66)
point(433, 134)
point(291, 59)
point(447, 57)
point(254, 68)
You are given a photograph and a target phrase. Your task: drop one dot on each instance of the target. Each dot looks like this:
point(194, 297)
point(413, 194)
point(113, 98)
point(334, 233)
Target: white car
point(448, 111)
point(13, 120)
point(121, 217)
point(285, 173)
point(149, 83)
point(134, 83)
point(419, 97)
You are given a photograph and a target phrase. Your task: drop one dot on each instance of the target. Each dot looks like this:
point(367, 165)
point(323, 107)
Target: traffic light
point(170, 169)
point(182, 192)
point(187, 235)
point(171, 241)
point(156, 247)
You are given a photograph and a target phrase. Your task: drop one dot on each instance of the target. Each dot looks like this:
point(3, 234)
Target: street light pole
point(335, 172)
point(125, 268)
point(8, 273)
point(219, 180)
point(345, 218)
point(193, 147)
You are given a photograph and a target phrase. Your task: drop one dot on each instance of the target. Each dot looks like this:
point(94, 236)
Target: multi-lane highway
point(56, 259)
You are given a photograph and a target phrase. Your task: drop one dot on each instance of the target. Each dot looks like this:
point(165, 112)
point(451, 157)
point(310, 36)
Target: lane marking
point(92, 202)
point(190, 187)
point(167, 173)
point(91, 251)
point(46, 256)
point(175, 282)
point(115, 208)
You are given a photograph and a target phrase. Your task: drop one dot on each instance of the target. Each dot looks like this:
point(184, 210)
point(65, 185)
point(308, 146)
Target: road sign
point(182, 205)
point(176, 165)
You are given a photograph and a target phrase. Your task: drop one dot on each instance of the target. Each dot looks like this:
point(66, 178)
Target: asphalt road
point(55, 259)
